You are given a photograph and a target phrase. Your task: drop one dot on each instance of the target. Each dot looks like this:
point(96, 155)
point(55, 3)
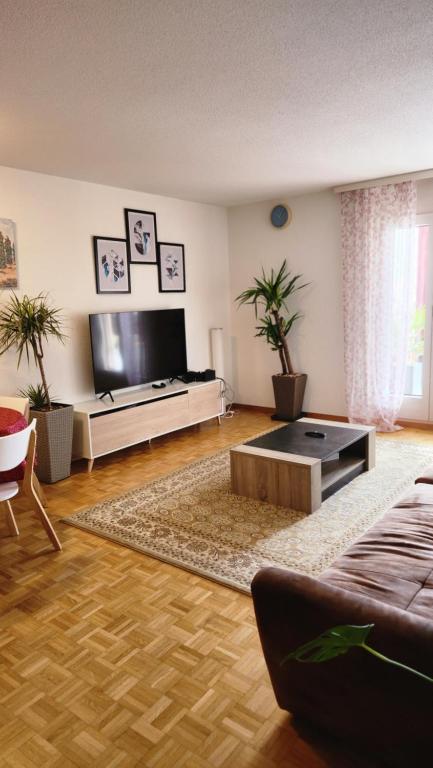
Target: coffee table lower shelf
point(339, 472)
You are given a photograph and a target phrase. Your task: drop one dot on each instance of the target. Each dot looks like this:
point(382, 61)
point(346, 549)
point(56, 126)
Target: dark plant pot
point(54, 442)
point(289, 392)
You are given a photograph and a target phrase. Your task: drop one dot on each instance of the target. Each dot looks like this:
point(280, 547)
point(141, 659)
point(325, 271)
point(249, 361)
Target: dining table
point(11, 422)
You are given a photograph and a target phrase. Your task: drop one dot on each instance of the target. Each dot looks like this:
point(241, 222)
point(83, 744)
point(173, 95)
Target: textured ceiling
point(225, 101)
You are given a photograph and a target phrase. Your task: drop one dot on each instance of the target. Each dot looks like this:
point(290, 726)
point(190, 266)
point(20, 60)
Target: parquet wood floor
point(111, 659)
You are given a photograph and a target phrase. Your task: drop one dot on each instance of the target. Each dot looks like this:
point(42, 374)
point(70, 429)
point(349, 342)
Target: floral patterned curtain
point(379, 253)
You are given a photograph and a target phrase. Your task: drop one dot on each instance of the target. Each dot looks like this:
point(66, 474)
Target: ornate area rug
point(191, 518)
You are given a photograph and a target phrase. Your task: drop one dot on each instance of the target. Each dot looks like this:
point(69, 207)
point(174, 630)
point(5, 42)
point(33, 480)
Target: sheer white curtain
point(379, 256)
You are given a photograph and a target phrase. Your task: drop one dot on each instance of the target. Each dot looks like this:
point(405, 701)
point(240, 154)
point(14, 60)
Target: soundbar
point(189, 376)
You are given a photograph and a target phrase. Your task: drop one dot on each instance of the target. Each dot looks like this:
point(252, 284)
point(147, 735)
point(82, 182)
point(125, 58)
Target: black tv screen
point(131, 348)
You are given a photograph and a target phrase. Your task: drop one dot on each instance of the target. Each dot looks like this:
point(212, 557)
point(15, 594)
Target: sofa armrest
point(426, 477)
point(353, 694)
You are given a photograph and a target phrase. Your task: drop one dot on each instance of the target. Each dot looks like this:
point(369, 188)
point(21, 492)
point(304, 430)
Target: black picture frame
point(105, 276)
point(136, 240)
point(165, 250)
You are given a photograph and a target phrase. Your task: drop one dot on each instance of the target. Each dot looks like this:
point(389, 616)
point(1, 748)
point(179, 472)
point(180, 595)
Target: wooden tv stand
point(102, 427)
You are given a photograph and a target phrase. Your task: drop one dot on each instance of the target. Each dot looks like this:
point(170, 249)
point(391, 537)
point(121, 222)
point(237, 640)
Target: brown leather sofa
point(385, 578)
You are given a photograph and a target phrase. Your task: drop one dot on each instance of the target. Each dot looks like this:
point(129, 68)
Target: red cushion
point(15, 474)
point(11, 422)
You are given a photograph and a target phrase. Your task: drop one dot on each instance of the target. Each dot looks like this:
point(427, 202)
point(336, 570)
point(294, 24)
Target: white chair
point(13, 450)
point(22, 404)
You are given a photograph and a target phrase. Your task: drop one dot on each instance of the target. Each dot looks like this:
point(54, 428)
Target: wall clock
point(281, 216)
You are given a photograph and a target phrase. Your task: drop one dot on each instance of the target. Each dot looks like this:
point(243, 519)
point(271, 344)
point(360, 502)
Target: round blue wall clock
point(280, 216)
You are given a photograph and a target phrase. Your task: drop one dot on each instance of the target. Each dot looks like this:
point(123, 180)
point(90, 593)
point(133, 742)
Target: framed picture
point(111, 265)
point(141, 236)
point(171, 268)
point(8, 254)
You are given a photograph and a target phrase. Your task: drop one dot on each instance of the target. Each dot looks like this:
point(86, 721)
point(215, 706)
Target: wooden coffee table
point(288, 468)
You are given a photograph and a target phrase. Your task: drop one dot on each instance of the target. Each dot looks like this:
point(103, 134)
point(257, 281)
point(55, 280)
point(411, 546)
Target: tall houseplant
point(271, 293)
point(26, 325)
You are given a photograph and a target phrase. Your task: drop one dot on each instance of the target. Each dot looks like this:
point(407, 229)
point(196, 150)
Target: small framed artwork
point(141, 236)
point(171, 268)
point(8, 254)
point(111, 265)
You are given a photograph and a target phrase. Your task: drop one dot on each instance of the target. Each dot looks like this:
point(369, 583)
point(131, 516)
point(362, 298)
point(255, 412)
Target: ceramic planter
point(54, 442)
point(289, 392)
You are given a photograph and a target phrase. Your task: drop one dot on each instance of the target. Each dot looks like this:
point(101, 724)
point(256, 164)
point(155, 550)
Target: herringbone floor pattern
point(111, 659)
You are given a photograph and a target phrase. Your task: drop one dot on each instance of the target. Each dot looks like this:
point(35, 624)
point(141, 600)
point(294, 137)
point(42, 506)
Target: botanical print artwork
point(111, 265)
point(141, 236)
point(171, 267)
point(8, 256)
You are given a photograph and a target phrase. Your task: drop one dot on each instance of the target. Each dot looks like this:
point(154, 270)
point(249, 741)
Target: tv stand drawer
point(132, 425)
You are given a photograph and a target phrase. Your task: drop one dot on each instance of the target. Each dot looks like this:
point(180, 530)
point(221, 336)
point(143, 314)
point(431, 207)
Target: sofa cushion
point(393, 561)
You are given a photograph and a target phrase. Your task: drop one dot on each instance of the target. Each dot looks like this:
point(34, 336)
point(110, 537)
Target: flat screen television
point(131, 348)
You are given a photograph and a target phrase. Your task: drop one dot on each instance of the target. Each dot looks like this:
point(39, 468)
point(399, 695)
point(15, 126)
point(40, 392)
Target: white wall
point(425, 196)
point(55, 219)
point(311, 245)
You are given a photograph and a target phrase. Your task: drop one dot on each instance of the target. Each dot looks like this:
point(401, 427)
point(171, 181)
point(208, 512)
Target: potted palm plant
point(25, 324)
point(272, 292)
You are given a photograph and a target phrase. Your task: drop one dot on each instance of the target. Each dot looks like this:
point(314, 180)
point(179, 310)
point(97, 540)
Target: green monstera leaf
point(334, 642)
point(337, 641)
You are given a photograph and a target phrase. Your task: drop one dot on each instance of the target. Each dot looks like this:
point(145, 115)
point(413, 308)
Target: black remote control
point(314, 433)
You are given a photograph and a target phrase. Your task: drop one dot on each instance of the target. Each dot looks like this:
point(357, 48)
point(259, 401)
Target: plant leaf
point(334, 642)
point(36, 395)
point(23, 321)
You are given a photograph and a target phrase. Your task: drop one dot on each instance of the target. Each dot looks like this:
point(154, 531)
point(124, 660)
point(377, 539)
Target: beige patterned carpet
point(191, 518)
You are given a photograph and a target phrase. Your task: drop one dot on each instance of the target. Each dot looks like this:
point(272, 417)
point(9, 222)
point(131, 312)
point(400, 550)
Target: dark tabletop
point(292, 439)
